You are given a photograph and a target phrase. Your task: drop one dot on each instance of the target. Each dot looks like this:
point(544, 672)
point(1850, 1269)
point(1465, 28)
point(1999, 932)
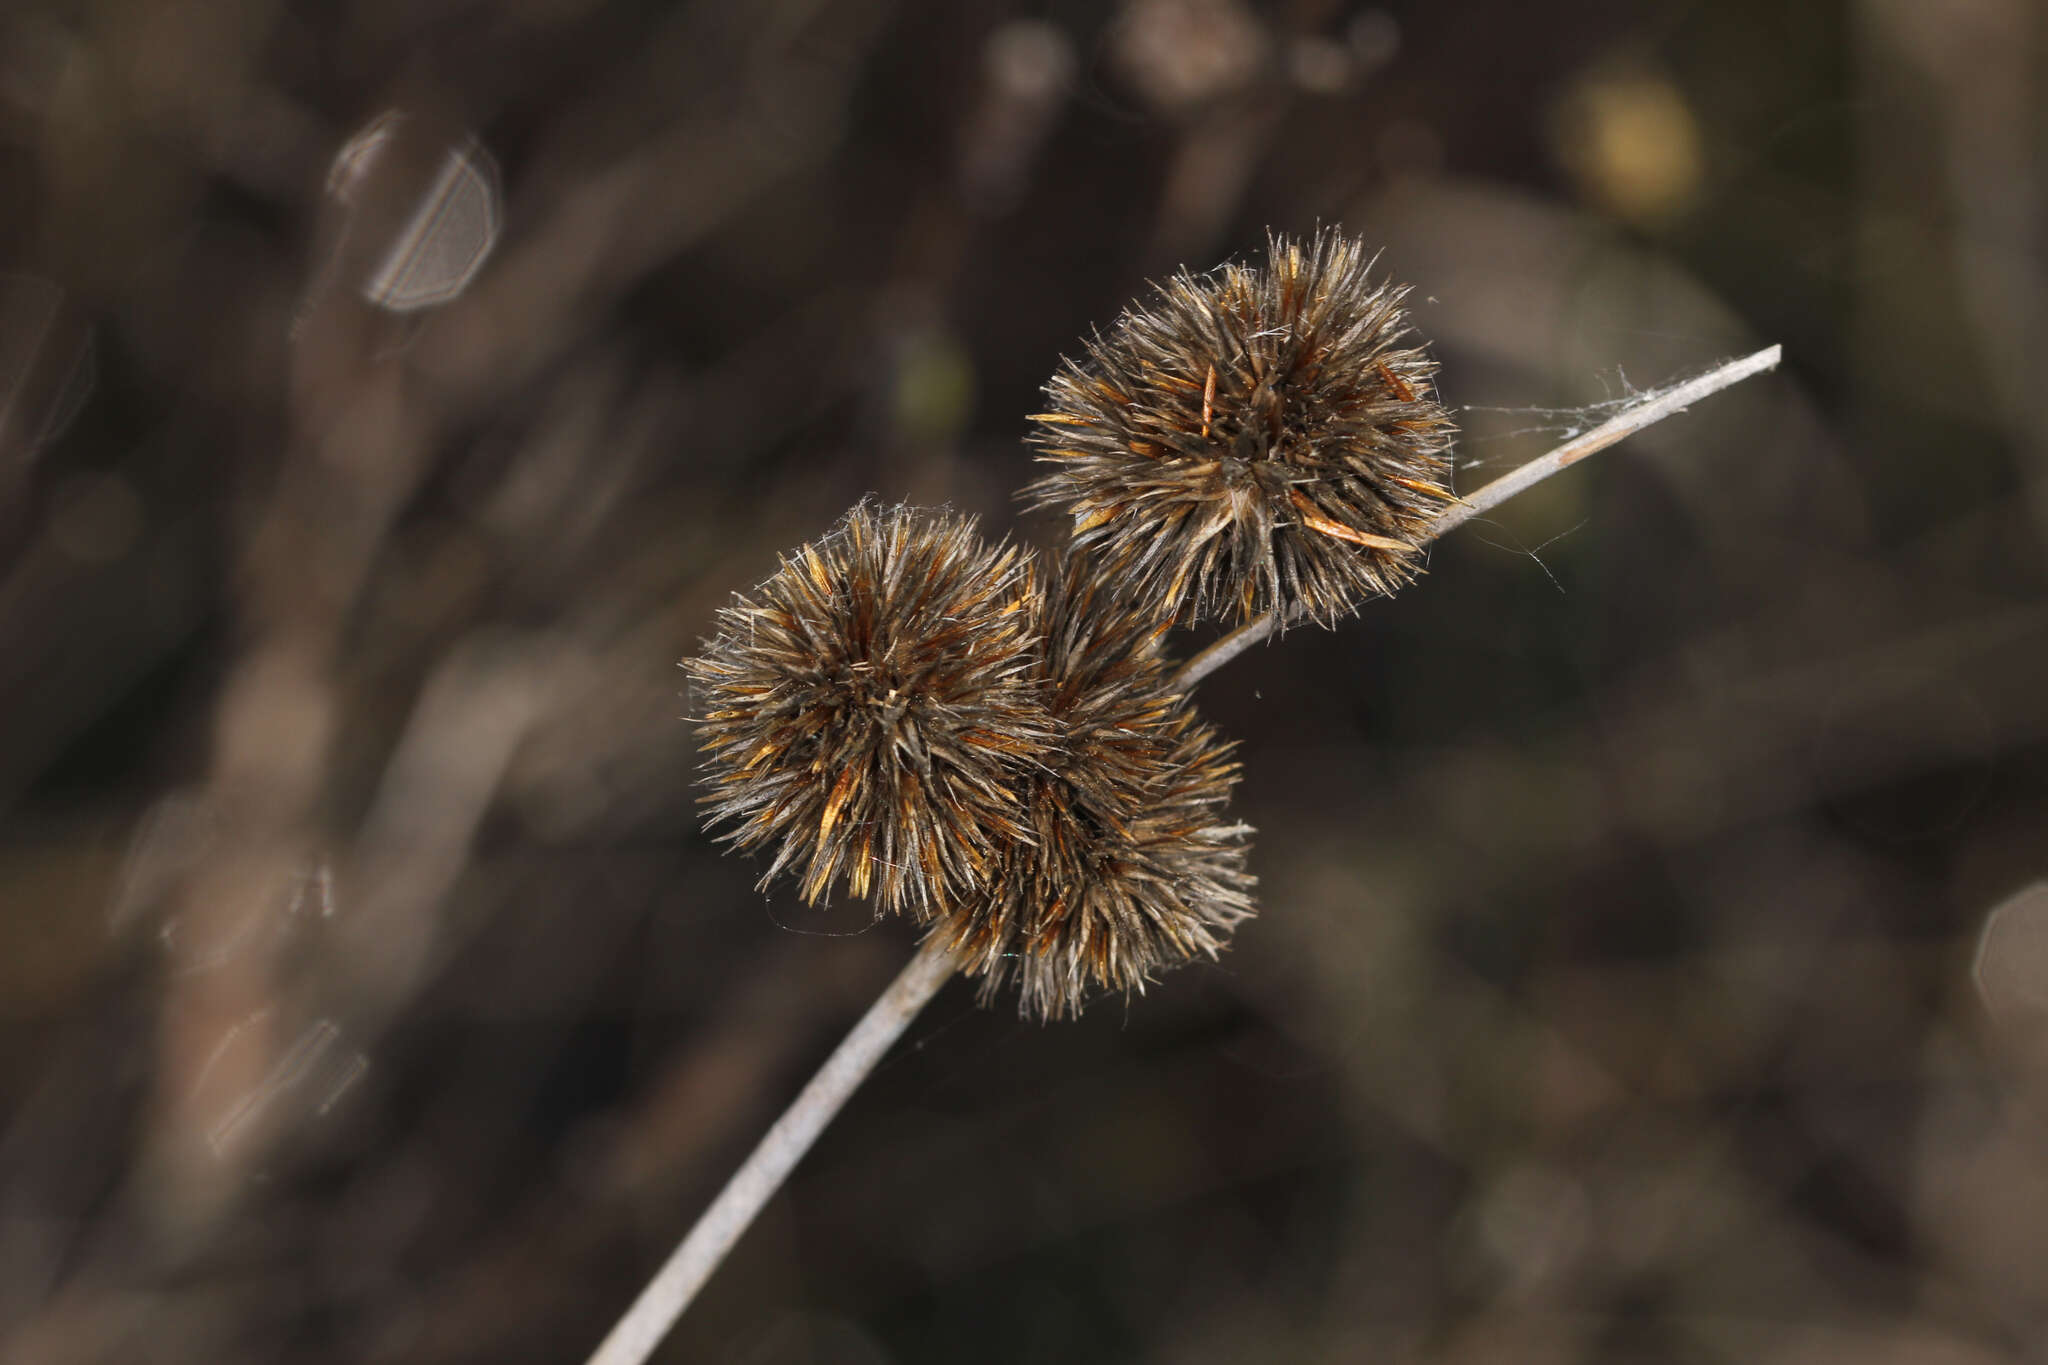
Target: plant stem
point(1653, 408)
point(751, 1186)
point(1223, 651)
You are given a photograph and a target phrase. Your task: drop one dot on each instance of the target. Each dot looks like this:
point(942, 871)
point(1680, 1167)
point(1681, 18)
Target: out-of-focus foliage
point(390, 393)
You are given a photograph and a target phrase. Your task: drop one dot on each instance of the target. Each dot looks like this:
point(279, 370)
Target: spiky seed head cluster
point(912, 712)
point(908, 710)
point(1130, 866)
point(868, 709)
point(1253, 441)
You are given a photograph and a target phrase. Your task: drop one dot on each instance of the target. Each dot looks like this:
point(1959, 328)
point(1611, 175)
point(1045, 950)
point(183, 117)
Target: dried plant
point(1253, 441)
point(1012, 755)
point(867, 711)
point(1131, 868)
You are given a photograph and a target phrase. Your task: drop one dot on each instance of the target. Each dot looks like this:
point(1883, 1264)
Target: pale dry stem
point(1649, 410)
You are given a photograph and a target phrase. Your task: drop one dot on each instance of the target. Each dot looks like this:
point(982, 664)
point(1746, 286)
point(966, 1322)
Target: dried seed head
point(1130, 867)
point(1253, 441)
point(867, 710)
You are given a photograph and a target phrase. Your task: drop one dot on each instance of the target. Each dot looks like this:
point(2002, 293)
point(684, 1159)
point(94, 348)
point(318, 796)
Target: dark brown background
point(1624, 990)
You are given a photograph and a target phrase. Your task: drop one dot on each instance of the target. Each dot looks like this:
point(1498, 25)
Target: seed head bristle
point(1130, 866)
point(1253, 441)
point(867, 711)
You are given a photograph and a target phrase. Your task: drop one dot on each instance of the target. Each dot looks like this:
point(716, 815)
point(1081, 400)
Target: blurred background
point(1654, 958)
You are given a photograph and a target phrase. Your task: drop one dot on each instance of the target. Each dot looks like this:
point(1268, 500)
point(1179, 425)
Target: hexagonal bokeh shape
point(2011, 968)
